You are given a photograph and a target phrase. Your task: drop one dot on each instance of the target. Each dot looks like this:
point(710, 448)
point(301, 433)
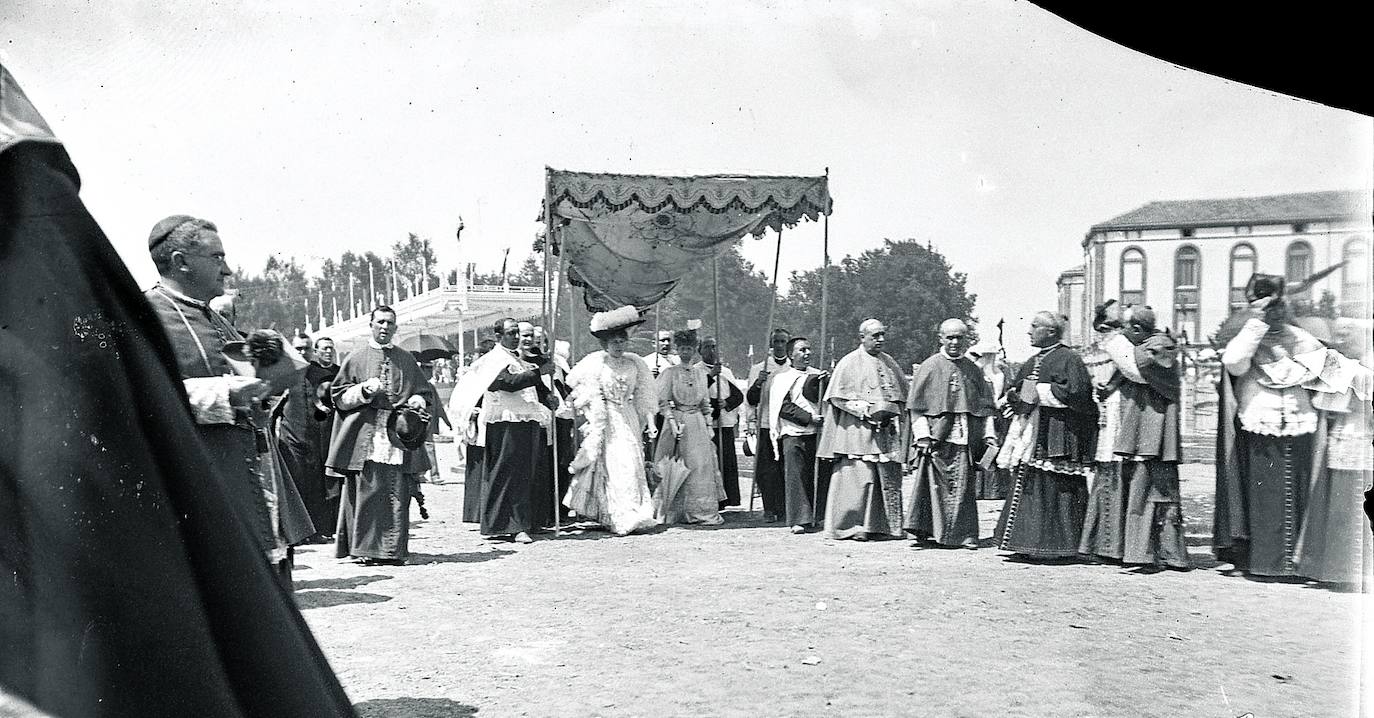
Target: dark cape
point(943, 504)
point(943, 387)
point(1068, 434)
point(1044, 510)
point(1150, 412)
point(129, 589)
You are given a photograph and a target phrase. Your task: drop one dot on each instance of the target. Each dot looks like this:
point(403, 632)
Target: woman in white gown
point(684, 403)
point(614, 390)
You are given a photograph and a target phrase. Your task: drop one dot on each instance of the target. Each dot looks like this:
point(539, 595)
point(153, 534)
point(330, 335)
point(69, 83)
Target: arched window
point(1355, 273)
point(1187, 276)
point(1132, 276)
point(1297, 265)
point(1243, 263)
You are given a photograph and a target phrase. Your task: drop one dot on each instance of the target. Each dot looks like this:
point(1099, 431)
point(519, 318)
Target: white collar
point(373, 343)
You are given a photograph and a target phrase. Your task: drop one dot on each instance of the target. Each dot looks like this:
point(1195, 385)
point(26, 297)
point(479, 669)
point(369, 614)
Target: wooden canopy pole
point(767, 354)
point(825, 306)
point(553, 420)
point(548, 253)
point(720, 376)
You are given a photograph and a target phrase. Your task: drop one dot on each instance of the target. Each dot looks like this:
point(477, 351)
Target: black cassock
point(130, 589)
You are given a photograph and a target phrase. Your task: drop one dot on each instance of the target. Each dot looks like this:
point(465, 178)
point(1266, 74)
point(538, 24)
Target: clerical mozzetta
point(1138, 519)
point(372, 384)
point(866, 434)
point(1050, 448)
point(951, 421)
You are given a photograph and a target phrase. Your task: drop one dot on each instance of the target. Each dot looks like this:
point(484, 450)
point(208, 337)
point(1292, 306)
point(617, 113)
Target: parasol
point(672, 473)
point(428, 347)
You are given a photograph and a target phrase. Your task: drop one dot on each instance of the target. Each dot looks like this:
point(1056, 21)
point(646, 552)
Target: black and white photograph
point(682, 358)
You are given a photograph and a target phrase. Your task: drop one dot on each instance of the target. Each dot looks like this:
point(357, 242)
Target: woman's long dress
point(682, 399)
point(617, 397)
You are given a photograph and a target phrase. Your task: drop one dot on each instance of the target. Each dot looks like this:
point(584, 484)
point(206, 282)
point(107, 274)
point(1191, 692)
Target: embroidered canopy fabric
point(628, 239)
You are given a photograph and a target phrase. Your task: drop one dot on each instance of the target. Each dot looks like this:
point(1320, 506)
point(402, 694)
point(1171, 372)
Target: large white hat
point(604, 323)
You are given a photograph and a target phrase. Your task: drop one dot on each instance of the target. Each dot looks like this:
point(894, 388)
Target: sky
point(994, 130)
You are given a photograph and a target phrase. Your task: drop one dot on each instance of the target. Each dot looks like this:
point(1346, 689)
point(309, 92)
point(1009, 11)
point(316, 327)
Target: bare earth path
point(749, 620)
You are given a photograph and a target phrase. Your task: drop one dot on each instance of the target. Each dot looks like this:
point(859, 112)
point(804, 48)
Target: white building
point(1190, 259)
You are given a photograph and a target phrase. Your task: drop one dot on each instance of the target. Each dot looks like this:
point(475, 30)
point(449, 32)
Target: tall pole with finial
point(371, 287)
point(825, 266)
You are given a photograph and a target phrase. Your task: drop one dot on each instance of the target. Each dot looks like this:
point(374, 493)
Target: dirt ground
point(746, 619)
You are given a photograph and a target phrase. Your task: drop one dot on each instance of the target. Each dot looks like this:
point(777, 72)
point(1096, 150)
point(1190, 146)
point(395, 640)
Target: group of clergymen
point(308, 450)
point(339, 449)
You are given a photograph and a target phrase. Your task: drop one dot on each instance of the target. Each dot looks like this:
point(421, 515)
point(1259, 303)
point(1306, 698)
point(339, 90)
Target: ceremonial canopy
point(628, 239)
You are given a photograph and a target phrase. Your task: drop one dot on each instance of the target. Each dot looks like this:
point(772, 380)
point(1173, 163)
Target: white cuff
point(1047, 398)
point(351, 399)
point(209, 397)
point(920, 428)
point(1241, 349)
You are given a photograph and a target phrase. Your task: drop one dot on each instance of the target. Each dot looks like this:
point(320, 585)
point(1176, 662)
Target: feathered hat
point(604, 324)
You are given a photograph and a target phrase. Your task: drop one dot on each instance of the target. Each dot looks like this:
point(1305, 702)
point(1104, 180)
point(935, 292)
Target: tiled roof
point(1274, 209)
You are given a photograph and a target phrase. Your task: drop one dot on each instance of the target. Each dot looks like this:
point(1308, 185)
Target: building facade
point(1190, 259)
point(1071, 301)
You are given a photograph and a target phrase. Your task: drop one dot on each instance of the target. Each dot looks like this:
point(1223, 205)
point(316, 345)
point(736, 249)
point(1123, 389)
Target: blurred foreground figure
point(130, 589)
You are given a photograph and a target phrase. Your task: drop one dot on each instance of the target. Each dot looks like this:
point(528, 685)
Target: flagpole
point(371, 287)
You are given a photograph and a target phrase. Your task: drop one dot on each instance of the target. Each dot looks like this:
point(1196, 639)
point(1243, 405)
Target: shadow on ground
point(474, 557)
point(326, 598)
point(340, 583)
point(413, 708)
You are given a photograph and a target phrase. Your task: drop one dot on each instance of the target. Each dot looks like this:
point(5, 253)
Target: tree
point(414, 257)
point(909, 286)
point(531, 273)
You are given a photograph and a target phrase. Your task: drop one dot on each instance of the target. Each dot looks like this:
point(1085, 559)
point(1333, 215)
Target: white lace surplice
point(617, 397)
